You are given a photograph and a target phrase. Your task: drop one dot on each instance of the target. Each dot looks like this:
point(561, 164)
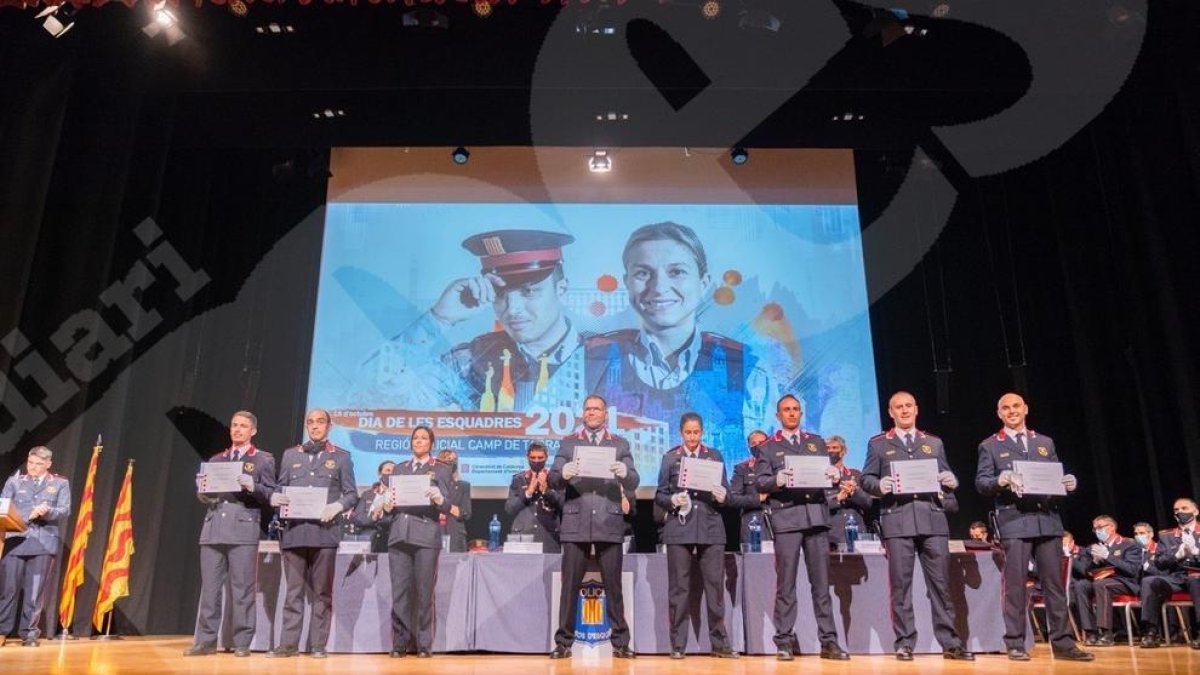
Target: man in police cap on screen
point(521, 277)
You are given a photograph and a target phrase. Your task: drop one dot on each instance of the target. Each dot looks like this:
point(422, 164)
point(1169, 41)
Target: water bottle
point(494, 533)
point(851, 532)
point(755, 535)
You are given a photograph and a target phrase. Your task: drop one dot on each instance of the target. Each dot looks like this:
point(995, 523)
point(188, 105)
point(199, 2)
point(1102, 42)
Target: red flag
point(114, 574)
point(83, 529)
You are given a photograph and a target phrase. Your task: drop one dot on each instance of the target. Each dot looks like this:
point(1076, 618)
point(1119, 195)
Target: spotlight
point(739, 155)
point(239, 8)
point(57, 20)
point(483, 8)
point(460, 155)
point(165, 22)
point(600, 162)
point(710, 9)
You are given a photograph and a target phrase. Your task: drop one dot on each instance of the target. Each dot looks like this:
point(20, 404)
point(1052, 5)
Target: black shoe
point(198, 650)
point(1017, 654)
point(724, 653)
point(282, 653)
point(904, 654)
point(1195, 644)
point(623, 653)
point(318, 654)
point(397, 654)
point(560, 652)
point(834, 653)
point(785, 654)
point(1149, 641)
point(677, 655)
point(241, 653)
point(1105, 640)
point(958, 654)
point(424, 654)
point(30, 642)
point(1073, 654)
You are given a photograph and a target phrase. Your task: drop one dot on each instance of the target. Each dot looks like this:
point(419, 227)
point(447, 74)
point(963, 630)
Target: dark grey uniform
point(592, 517)
point(456, 526)
point(309, 547)
point(912, 526)
point(1028, 527)
point(699, 536)
point(858, 503)
point(1171, 574)
point(743, 495)
point(800, 521)
point(537, 515)
point(414, 543)
point(229, 549)
point(1118, 574)
point(366, 525)
point(29, 557)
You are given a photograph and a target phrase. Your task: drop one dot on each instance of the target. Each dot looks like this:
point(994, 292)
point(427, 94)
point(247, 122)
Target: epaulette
point(726, 342)
point(622, 336)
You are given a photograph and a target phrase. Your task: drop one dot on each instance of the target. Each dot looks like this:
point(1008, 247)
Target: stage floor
point(162, 656)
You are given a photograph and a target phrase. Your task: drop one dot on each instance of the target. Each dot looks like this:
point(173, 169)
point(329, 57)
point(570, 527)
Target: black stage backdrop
point(1071, 279)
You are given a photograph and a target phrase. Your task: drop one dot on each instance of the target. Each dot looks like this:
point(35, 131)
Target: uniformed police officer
point(42, 499)
point(233, 524)
point(593, 520)
point(414, 545)
point(1028, 527)
point(362, 512)
point(533, 506)
point(309, 547)
point(694, 532)
point(1111, 566)
point(848, 497)
point(455, 522)
point(914, 526)
point(743, 489)
point(800, 521)
point(1177, 562)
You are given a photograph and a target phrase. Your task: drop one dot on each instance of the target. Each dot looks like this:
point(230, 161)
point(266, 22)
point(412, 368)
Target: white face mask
point(1066, 550)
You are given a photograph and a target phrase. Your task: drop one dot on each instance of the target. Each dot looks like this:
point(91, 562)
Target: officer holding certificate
point(694, 532)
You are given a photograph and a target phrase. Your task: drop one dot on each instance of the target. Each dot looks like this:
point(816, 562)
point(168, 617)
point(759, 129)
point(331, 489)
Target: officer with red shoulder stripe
point(1112, 566)
point(743, 488)
point(1175, 565)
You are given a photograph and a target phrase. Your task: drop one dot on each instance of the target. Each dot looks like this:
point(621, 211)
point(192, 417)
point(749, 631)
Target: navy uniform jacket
point(460, 496)
point(362, 518)
point(858, 503)
point(592, 506)
point(792, 510)
point(41, 536)
point(327, 466)
point(906, 515)
point(743, 495)
point(537, 515)
point(1017, 517)
point(1166, 564)
point(419, 525)
point(703, 524)
point(1124, 561)
point(237, 517)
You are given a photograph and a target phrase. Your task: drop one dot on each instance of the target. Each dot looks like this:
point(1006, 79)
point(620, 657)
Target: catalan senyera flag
point(114, 574)
point(83, 529)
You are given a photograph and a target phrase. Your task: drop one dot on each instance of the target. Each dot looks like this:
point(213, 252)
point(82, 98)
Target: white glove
point(947, 479)
point(781, 478)
point(200, 483)
point(619, 469)
point(1069, 482)
point(378, 502)
point(679, 499)
point(330, 511)
point(1099, 551)
point(280, 499)
point(246, 482)
point(1182, 552)
point(434, 495)
point(570, 470)
point(887, 485)
point(832, 473)
point(719, 493)
point(1011, 481)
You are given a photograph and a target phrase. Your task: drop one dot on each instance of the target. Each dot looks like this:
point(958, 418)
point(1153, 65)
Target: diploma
point(220, 477)
point(1040, 478)
point(595, 461)
point(305, 503)
point(915, 476)
point(409, 490)
point(808, 472)
point(700, 474)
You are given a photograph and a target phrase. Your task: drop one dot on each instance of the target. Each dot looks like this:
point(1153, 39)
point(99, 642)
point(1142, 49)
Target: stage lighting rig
point(460, 155)
point(739, 155)
point(164, 21)
point(600, 161)
point(58, 19)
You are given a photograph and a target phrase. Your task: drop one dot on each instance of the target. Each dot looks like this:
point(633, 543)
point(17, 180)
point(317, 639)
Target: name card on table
point(957, 546)
point(354, 547)
point(268, 546)
point(523, 547)
point(868, 547)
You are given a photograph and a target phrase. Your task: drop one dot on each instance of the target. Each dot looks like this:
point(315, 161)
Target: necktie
point(796, 440)
point(1021, 442)
point(595, 438)
point(236, 455)
point(908, 443)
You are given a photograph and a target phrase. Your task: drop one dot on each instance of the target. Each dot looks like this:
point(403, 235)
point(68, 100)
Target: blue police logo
point(591, 614)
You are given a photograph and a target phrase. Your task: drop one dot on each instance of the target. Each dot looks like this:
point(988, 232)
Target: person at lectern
point(309, 546)
point(414, 544)
point(593, 524)
point(42, 499)
point(233, 524)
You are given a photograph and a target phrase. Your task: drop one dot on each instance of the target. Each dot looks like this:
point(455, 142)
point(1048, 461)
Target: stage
point(161, 655)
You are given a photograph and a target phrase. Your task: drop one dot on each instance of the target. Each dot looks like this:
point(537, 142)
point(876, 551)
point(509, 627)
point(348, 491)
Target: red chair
point(1178, 600)
point(1037, 602)
point(1127, 603)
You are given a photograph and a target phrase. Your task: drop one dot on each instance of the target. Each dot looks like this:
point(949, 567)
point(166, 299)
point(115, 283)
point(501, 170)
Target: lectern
point(10, 520)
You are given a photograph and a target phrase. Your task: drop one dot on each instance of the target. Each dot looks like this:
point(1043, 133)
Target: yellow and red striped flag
point(114, 574)
point(83, 529)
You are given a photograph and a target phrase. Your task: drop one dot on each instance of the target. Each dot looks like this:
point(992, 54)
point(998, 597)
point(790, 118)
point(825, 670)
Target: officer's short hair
point(248, 415)
point(41, 452)
point(668, 231)
point(691, 417)
point(1143, 524)
point(1102, 518)
point(383, 464)
point(838, 439)
point(750, 435)
point(447, 454)
point(535, 447)
point(595, 397)
point(1188, 500)
point(978, 525)
point(786, 397)
point(328, 417)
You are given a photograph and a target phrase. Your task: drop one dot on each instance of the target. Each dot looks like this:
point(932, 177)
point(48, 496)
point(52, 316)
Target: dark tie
point(795, 440)
point(1021, 442)
point(236, 455)
point(908, 443)
point(595, 438)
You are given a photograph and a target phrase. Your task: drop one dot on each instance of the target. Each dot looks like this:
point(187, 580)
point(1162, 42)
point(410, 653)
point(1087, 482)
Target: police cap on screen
point(518, 256)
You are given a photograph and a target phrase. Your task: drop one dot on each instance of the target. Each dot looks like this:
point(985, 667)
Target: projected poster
point(491, 322)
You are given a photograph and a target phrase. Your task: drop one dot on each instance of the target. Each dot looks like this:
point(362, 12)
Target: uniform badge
point(812, 447)
point(296, 466)
point(1117, 553)
point(51, 490)
point(330, 464)
point(889, 453)
point(248, 467)
point(1043, 451)
point(1004, 454)
point(779, 454)
point(926, 449)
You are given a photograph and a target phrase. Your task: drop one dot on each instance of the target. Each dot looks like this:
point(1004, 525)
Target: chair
point(1127, 603)
point(1178, 601)
point(1039, 602)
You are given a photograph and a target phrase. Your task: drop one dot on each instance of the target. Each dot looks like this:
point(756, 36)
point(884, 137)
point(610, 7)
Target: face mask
point(1185, 518)
point(1100, 535)
point(1066, 550)
point(537, 466)
point(1143, 539)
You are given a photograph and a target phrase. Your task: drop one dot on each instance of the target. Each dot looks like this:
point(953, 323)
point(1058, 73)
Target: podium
point(10, 520)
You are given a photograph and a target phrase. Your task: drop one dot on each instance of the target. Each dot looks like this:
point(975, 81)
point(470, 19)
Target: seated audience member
point(1174, 567)
point(1111, 566)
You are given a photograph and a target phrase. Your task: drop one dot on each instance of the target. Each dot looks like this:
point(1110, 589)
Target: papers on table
point(595, 461)
point(700, 474)
point(1040, 478)
point(304, 503)
point(915, 476)
point(220, 477)
point(808, 472)
point(409, 490)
